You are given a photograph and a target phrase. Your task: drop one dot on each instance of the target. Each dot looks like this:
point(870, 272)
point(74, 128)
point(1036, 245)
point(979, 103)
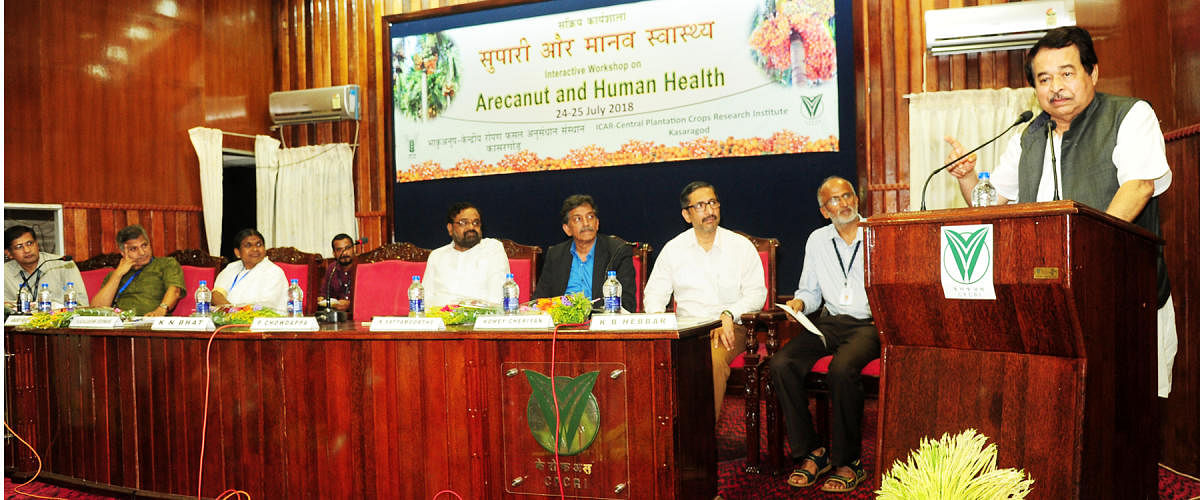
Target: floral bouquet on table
point(462, 313)
point(566, 309)
point(241, 315)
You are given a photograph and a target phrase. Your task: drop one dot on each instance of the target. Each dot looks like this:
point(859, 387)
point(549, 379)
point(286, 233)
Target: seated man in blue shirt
point(833, 275)
point(581, 264)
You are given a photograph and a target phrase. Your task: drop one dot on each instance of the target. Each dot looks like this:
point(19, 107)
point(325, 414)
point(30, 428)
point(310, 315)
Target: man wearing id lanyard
point(143, 283)
point(833, 273)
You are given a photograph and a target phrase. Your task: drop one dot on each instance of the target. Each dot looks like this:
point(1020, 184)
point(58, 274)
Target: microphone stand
point(328, 314)
point(1026, 116)
point(65, 258)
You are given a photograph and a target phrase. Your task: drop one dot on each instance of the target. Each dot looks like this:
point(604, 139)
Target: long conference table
point(348, 413)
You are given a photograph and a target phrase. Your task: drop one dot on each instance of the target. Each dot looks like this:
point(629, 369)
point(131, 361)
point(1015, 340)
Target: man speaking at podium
point(1104, 151)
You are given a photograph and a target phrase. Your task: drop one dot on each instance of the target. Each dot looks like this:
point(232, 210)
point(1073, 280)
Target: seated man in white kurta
point(470, 267)
point(252, 280)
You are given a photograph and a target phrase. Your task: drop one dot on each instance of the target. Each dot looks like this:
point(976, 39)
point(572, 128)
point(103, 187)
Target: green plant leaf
point(575, 393)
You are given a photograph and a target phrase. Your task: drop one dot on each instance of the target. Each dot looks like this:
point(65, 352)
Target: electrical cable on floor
point(452, 492)
point(17, 488)
point(204, 422)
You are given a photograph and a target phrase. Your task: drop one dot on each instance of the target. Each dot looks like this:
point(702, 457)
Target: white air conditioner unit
point(298, 107)
point(1006, 26)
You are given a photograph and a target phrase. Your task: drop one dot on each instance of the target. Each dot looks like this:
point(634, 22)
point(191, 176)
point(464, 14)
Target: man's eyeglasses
point(843, 199)
point(699, 206)
point(464, 223)
point(580, 218)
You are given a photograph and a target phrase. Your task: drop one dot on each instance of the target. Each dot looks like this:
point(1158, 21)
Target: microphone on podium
point(1026, 116)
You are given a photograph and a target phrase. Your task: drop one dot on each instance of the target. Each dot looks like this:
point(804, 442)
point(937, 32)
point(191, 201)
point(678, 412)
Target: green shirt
point(146, 290)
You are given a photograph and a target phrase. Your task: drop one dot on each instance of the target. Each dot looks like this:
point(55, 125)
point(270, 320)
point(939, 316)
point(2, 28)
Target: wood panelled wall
point(98, 98)
point(1180, 208)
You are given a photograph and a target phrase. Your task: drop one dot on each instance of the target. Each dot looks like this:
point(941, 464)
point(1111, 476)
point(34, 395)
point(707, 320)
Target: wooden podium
point(1058, 370)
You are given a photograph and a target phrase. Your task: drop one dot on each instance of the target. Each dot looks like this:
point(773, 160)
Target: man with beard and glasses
point(714, 273)
point(470, 267)
point(581, 264)
point(142, 283)
point(1102, 150)
point(339, 276)
point(833, 274)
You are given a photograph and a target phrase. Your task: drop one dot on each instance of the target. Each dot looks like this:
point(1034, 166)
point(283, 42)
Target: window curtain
point(305, 194)
point(972, 117)
point(207, 142)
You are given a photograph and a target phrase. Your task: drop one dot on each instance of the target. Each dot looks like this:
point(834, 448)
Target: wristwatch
point(164, 306)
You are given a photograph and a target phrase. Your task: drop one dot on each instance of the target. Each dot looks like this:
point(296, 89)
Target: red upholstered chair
point(302, 266)
point(523, 264)
point(95, 269)
point(739, 377)
point(381, 281)
point(197, 265)
point(641, 269)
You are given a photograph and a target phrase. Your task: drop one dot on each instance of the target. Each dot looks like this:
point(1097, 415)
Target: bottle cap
point(612, 273)
point(416, 277)
point(70, 283)
point(509, 276)
point(204, 282)
point(985, 175)
point(295, 282)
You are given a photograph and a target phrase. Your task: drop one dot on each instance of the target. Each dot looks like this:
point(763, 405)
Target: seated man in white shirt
point(714, 273)
point(21, 245)
point(252, 280)
point(470, 267)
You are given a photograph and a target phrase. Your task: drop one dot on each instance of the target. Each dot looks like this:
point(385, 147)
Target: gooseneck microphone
point(1026, 116)
point(1053, 156)
point(65, 258)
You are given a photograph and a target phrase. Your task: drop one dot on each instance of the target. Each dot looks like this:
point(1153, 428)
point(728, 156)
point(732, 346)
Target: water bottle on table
point(203, 299)
point(416, 298)
point(612, 293)
point(512, 295)
point(24, 300)
point(44, 302)
point(984, 194)
point(70, 296)
point(295, 300)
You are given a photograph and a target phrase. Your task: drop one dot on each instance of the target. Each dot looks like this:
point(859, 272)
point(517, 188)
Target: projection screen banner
point(631, 83)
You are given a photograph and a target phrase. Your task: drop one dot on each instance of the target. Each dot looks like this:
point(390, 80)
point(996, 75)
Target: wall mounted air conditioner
point(1006, 26)
point(298, 107)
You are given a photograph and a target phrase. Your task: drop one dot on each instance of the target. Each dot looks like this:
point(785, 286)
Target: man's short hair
point(826, 181)
point(575, 201)
point(131, 233)
point(12, 233)
point(456, 209)
point(246, 233)
point(1058, 38)
point(692, 186)
point(340, 236)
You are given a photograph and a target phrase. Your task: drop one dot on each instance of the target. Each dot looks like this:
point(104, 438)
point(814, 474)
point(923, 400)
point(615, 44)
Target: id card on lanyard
point(847, 296)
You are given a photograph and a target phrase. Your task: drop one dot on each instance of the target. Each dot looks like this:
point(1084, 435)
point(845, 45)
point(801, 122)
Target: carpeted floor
point(734, 484)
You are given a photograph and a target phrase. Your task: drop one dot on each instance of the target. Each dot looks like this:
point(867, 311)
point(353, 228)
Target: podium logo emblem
point(578, 413)
point(967, 257)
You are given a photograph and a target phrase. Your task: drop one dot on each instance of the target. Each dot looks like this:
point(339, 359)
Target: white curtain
point(305, 194)
point(207, 142)
point(971, 117)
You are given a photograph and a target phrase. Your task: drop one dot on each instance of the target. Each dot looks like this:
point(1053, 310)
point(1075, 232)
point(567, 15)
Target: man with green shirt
point(143, 283)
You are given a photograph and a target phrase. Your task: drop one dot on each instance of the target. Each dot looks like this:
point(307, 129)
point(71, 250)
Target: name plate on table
point(304, 324)
point(102, 322)
point(609, 322)
point(189, 324)
point(514, 322)
point(406, 324)
point(17, 320)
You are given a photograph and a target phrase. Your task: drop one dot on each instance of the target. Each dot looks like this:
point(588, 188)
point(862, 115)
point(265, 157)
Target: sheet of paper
point(808, 325)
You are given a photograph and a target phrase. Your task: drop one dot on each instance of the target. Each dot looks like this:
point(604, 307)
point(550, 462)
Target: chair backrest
point(641, 268)
point(301, 266)
point(197, 265)
point(766, 251)
point(382, 277)
point(523, 263)
point(94, 269)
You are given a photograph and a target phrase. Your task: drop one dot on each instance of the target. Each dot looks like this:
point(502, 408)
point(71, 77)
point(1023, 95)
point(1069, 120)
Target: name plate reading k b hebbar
point(514, 322)
point(406, 324)
point(304, 324)
point(654, 322)
point(188, 324)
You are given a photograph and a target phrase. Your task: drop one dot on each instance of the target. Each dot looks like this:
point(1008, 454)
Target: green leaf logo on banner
point(812, 104)
point(579, 414)
point(966, 247)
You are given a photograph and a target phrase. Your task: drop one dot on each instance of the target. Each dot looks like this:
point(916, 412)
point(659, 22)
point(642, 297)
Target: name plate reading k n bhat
point(101, 322)
point(513, 322)
point(189, 324)
point(305, 324)
point(16, 320)
point(654, 322)
point(406, 324)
